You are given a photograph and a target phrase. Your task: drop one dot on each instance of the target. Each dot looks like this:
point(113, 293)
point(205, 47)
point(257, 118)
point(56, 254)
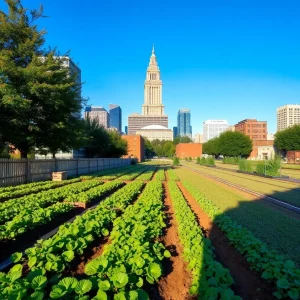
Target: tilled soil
point(175, 283)
point(93, 251)
point(248, 283)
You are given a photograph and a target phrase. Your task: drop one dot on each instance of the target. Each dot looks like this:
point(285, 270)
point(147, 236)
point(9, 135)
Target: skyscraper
point(175, 132)
point(152, 109)
point(213, 128)
point(115, 117)
point(184, 127)
point(288, 115)
point(97, 113)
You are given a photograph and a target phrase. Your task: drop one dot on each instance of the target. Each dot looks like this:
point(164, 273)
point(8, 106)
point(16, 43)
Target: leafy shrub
point(231, 160)
point(269, 167)
point(209, 161)
point(246, 166)
point(190, 159)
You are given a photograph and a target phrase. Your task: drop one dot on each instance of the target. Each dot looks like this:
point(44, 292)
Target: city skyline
point(255, 72)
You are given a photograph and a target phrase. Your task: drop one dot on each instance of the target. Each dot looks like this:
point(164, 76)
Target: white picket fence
point(13, 172)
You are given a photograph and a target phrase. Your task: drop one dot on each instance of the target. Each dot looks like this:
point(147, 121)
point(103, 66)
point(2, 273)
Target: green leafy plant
point(282, 273)
point(206, 272)
point(53, 255)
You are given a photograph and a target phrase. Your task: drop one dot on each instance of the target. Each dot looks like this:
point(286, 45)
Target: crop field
point(144, 232)
point(282, 190)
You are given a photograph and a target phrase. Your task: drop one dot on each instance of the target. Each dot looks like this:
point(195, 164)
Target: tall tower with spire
point(152, 110)
point(153, 90)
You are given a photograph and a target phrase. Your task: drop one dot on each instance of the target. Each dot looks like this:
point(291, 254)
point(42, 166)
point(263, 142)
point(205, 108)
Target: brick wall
point(193, 150)
point(136, 147)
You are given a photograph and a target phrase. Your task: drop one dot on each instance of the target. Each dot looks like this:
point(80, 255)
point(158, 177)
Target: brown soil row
point(248, 283)
point(175, 283)
point(92, 252)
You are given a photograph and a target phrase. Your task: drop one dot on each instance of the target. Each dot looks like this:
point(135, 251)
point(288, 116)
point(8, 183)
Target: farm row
point(285, 191)
point(115, 249)
point(28, 217)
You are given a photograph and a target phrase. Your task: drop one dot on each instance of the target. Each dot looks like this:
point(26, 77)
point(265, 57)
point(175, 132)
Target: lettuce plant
point(209, 278)
point(51, 257)
point(282, 273)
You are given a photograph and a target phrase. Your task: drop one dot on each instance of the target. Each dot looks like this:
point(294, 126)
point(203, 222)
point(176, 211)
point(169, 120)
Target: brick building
point(256, 130)
point(136, 148)
point(262, 149)
point(293, 157)
point(193, 150)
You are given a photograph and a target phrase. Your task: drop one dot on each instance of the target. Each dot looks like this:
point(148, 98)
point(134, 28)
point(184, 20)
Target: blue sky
point(222, 59)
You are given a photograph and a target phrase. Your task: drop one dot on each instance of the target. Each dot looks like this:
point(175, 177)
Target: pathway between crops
point(175, 283)
point(248, 283)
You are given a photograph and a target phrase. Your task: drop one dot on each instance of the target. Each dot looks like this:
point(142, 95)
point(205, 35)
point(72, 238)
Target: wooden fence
point(13, 172)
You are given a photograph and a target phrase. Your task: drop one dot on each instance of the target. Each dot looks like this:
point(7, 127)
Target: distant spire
point(153, 61)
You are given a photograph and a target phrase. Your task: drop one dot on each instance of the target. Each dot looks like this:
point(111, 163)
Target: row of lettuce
point(281, 273)
point(210, 280)
point(130, 261)
point(17, 216)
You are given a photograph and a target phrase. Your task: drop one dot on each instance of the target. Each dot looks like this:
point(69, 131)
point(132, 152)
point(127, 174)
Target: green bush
point(269, 167)
point(190, 158)
point(231, 160)
point(246, 165)
point(209, 161)
point(176, 161)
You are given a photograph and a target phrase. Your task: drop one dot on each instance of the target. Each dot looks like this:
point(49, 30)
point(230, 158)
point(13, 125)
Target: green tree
point(97, 139)
point(116, 147)
point(182, 139)
point(288, 139)
point(234, 144)
point(168, 149)
point(211, 147)
point(37, 94)
point(149, 150)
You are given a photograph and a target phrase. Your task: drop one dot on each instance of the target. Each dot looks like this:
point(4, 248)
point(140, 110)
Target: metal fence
point(13, 172)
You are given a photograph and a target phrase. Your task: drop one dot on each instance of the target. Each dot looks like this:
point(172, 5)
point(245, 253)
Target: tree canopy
point(38, 95)
point(288, 139)
point(229, 144)
point(182, 139)
point(211, 147)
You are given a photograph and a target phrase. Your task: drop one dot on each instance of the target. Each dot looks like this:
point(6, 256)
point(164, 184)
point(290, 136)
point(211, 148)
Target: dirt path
point(248, 284)
point(175, 284)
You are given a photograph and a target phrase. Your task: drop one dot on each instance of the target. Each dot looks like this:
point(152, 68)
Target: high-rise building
point(126, 129)
point(287, 116)
point(198, 138)
point(184, 127)
point(256, 130)
point(213, 128)
point(152, 109)
point(97, 113)
point(175, 132)
point(115, 117)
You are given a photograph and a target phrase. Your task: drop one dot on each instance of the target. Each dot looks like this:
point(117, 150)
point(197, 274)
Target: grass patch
point(279, 231)
point(285, 191)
